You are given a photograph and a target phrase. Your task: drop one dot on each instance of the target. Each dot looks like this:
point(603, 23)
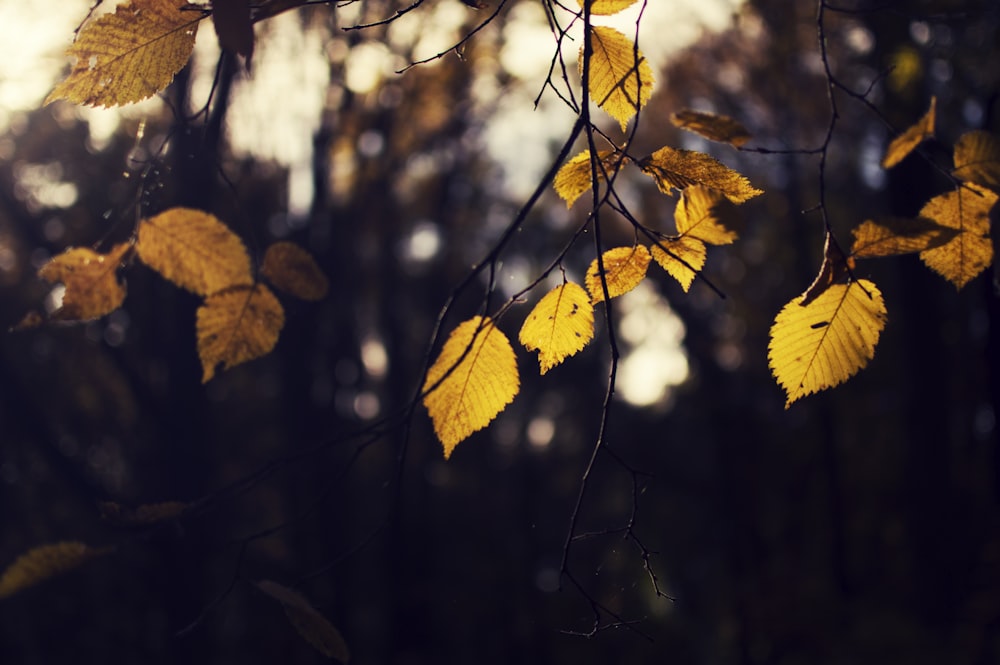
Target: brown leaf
point(293, 270)
point(836, 269)
point(720, 128)
point(674, 168)
point(233, 26)
point(92, 286)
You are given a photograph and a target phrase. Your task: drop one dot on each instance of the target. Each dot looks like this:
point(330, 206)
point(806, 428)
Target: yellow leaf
point(294, 271)
point(621, 80)
point(473, 379)
point(608, 7)
point(970, 251)
point(824, 343)
point(559, 326)
point(130, 55)
point(674, 168)
point(624, 268)
point(144, 515)
point(713, 127)
point(892, 236)
point(194, 250)
point(905, 143)
point(237, 325)
point(92, 287)
point(307, 620)
point(574, 177)
point(699, 214)
point(977, 159)
point(680, 257)
point(43, 562)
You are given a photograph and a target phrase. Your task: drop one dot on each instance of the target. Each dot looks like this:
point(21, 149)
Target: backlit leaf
point(574, 177)
point(144, 515)
point(233, 26)
point(824, 343)
point(836, 269)
point(680, 257)
point(977, 159)
point(294, 271)
point(237, 325)
point(905, 143)
point(309, 623)
point(699, 214)
point(621, 80)
point(130, 55)
point(92, 286)
point(607, 7)
point(624, 268)
point(43, 562)
point(674, 168)
point(560, 325)
point(713, 127)
point(194, 250)
point(473, 379)
point(970, 251)
point(892, 236)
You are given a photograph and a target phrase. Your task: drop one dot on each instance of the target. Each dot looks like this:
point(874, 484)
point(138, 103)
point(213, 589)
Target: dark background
point(858, 526)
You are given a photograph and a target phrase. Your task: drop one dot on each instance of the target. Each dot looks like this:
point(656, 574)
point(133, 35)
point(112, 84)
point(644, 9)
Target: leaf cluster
point(239, 319)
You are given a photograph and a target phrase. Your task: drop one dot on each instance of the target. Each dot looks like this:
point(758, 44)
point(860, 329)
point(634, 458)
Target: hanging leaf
point(680, 257)
point(908, 141)
point(700, 214)
point(574, 177)
point(233, 26)
point(822, 344)
point(977, 159)
point(673, 168)
point(307, 620)
point(92, 286)
point(836, 269)
point(194, 250)
point(892, 236)
point(145, 515)
point(624, 268)
point(970, 251)
point(559, 326)
point(621, 80)
point(293, 270)
point(607, 7)
point(237, 325)
point(43, 562)
point(130, 55)
point(720, 128)
point(473, 379)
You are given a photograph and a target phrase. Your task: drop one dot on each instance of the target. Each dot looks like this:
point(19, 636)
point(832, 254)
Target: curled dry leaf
point(907, 142)
point(91, 281)
point(672, 168)
point(720, 128)
point(293, 270)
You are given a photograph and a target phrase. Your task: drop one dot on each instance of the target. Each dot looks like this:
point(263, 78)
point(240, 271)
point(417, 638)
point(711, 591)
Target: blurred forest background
point(859, 526)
